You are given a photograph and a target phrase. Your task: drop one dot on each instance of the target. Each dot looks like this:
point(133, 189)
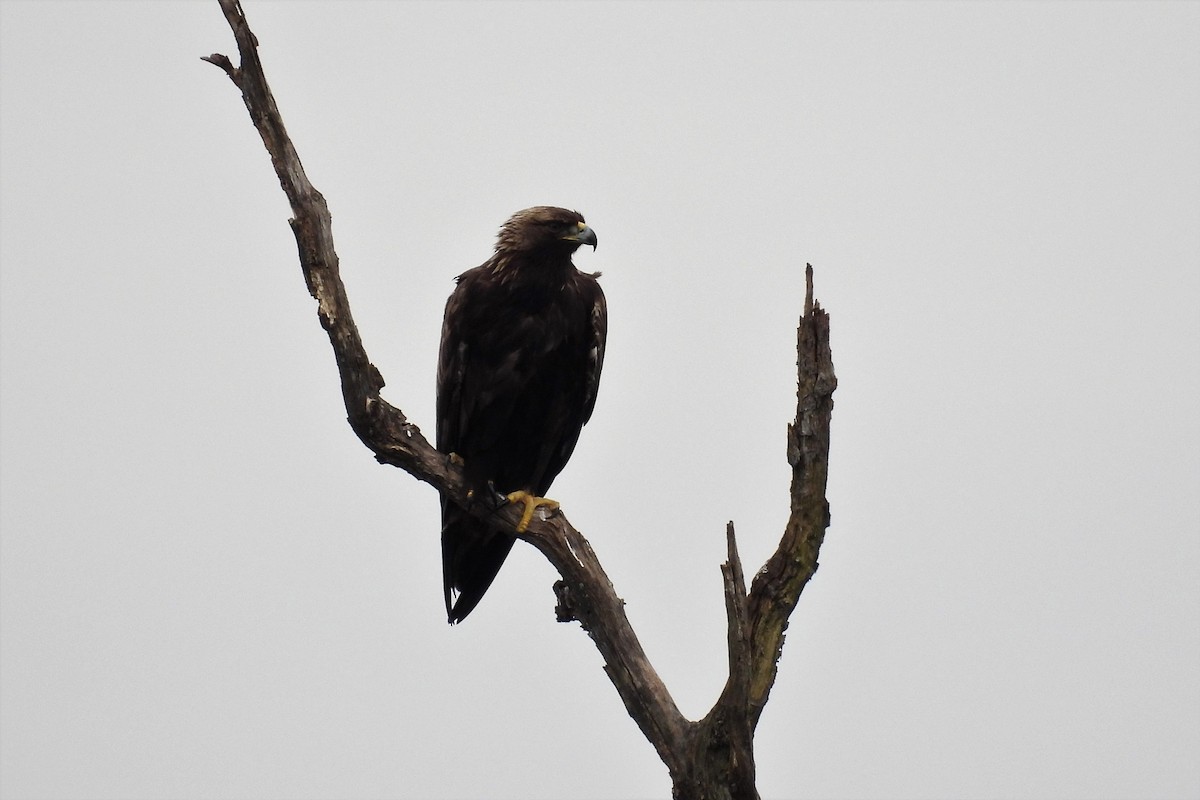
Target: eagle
point(518, 368)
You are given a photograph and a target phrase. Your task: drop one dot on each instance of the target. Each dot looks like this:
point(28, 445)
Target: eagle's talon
point(487, 496)
point(532, 503)
point(456, 460)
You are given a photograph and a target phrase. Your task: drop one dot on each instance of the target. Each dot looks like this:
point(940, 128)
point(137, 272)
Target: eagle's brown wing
point(518, 372)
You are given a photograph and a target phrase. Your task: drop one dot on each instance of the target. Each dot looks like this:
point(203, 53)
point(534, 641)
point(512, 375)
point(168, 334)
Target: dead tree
point(709, 759)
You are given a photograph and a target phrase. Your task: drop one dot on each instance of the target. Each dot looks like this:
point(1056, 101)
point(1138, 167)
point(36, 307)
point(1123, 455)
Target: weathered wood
point(777, 586)
point(387, 432)
point(709, 759)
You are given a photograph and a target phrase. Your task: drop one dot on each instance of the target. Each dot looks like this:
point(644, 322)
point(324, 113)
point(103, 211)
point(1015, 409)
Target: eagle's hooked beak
point(583, 235)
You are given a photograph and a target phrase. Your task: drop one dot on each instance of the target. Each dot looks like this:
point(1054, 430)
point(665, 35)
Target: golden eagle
point(519, 364)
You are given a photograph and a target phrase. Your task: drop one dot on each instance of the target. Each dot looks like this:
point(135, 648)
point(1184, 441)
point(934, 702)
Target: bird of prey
point(518, 368)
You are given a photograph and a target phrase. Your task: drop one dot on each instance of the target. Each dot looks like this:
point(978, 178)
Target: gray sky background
point(210, 589)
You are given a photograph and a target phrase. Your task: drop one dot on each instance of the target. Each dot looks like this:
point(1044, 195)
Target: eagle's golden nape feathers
point(541, 227)
point(532, 504)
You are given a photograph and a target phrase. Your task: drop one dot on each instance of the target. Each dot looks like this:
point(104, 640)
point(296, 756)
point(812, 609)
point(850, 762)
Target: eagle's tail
point(472, 554)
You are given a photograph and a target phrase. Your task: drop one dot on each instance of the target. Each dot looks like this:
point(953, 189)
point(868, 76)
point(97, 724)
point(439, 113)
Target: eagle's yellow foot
point(531, 503)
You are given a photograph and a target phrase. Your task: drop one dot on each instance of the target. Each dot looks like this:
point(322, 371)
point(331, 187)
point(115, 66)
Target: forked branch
point(709, 758)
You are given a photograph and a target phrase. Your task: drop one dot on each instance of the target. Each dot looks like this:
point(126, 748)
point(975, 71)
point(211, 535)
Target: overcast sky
point(209, 589)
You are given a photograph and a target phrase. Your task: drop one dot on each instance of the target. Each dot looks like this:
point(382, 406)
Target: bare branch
point(224, 63)
point(777, 587)
point(387, 432)
point(738, 614)
point(714, 752)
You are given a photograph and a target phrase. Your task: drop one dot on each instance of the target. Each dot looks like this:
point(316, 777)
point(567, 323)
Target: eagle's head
point(545, 229)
